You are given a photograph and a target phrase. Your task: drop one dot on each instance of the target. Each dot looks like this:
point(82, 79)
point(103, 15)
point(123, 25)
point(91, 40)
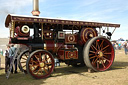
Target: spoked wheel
point(98, 54)
point(40, 64)
point(22, 58)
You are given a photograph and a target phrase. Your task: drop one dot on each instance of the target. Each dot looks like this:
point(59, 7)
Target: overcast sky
point(112, 11)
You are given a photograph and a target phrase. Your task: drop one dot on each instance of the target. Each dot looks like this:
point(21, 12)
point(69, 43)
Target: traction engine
point(75, 43)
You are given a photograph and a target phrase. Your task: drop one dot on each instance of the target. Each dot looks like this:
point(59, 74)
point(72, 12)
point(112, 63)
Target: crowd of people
point(9, 54)
point(120, 45)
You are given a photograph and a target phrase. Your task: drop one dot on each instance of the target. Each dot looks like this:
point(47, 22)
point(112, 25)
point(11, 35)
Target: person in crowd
point(7, 58)
point(113, 44)
point(125, 47)
point(119, 44)
point(12, 51)
point(1, 51)
point(116, 46)
point(57, 63)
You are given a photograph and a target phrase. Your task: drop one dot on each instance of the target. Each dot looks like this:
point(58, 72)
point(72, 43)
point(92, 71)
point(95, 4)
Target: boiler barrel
point(52, 46)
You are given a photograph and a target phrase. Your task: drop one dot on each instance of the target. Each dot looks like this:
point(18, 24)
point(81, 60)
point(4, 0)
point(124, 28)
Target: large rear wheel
point(98, 54)
point(40, 64)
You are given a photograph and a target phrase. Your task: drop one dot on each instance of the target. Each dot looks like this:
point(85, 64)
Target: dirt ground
point(67, 75)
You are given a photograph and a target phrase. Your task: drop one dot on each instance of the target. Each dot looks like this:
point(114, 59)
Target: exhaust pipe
point(35, 11)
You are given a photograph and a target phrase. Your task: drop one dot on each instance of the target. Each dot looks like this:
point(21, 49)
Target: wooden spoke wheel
point(40, 64)
point(22, 58)
point(98, 54)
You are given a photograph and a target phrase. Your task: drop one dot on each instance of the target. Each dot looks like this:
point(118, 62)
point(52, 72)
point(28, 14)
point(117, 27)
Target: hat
point(12, 45)
point(8, 45)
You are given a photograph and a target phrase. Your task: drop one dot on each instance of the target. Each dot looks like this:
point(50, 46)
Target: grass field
point(67, 75)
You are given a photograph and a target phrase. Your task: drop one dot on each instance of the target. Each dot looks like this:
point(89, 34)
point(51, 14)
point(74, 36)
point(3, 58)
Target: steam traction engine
point(76, 43)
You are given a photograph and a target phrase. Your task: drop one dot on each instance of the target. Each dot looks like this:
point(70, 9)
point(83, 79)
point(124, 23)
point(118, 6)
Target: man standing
point(12, 51)
point(125, 47)
point(7, 58)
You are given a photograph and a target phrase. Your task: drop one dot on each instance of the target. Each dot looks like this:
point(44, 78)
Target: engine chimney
point(35, 11)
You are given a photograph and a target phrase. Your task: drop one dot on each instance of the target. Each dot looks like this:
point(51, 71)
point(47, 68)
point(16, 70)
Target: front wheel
point(98, 54)
point(22, 58)
point(40, 64)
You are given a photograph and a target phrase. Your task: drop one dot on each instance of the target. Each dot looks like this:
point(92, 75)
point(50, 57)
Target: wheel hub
point(42, 64)
point(91, 35)
point(100, 54)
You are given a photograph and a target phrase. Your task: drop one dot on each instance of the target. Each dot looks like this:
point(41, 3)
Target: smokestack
point(35, 11)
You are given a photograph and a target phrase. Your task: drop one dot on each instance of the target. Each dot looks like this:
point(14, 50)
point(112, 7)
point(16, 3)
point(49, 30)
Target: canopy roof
point(32, 19)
